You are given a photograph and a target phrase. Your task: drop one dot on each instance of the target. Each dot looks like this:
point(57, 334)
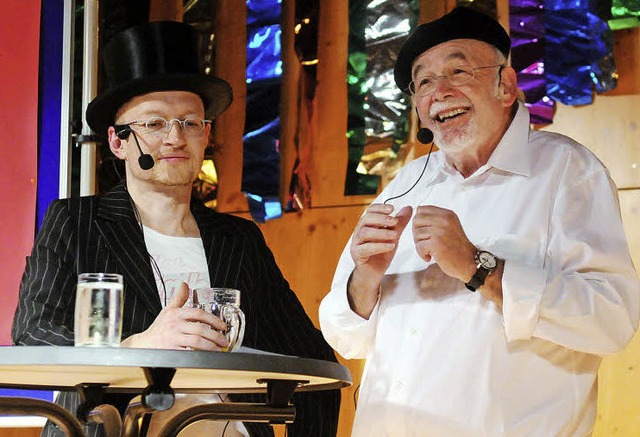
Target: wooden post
point(230, 28)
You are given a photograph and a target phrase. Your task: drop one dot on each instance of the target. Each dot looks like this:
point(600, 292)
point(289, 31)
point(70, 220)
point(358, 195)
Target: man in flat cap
point(488, 279)
point(157, 111)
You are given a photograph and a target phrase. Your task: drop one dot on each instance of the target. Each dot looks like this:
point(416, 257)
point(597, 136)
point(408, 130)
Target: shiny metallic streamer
point(378, 110)
point(526, 22)
point(578, 53)
point(388, 25)
point(625, 14)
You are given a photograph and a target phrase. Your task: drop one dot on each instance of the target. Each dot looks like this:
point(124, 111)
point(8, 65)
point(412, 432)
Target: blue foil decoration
point(574, 53)
point(261, 158)
point(263, 53)
point(264, 208)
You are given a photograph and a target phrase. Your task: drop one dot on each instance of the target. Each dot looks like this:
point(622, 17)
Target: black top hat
point(460, 23)
point(156, 56)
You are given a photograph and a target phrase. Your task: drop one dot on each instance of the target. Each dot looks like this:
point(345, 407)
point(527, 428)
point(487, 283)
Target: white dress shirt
point(443, 361)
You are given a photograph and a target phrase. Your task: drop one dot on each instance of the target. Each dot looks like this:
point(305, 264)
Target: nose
point(442, 86)
point(170, 125)
point(176, 135)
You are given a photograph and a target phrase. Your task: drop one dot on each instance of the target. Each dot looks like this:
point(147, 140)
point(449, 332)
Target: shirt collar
point(513, 153)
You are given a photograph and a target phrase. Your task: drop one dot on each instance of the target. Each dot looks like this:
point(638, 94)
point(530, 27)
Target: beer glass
point(225, 304)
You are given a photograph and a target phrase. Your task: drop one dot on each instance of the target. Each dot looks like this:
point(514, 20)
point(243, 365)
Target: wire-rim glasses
point(455, 76)
point(159, 127)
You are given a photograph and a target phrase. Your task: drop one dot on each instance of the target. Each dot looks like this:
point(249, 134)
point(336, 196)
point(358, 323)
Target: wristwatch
point(486, 262)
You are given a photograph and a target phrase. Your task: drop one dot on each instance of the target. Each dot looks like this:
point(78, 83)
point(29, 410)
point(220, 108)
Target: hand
point(178, 327)
point(373, 246)
point(438, 234)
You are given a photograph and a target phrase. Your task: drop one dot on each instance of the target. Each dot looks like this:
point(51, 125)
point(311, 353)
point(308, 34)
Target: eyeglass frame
point(447, 76)
point(169, 125)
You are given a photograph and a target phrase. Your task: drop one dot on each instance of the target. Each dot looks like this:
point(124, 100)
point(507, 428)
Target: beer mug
point(225, 304)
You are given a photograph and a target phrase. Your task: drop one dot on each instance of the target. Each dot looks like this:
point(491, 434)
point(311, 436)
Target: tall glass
point(98, 312)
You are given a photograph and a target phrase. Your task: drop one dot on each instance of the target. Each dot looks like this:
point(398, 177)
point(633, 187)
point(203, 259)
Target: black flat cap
point(460, 23)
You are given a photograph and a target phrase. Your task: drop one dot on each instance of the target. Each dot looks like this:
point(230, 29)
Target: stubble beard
point(163, 175)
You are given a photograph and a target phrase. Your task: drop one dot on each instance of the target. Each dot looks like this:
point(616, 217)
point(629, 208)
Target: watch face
point(487, 260)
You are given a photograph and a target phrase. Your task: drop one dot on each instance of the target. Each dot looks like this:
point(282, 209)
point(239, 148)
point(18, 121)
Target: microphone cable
point(417, 180)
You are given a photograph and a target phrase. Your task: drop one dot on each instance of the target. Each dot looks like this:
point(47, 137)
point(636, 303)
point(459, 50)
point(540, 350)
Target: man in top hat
point(157, 111)
point(484, 291)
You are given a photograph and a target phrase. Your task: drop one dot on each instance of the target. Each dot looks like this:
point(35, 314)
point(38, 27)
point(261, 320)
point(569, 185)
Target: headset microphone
point(424, 135)
point(145, 161)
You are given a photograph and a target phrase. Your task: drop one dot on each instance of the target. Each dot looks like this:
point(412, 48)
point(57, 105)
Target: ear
point(115, 143)
point(508, 86)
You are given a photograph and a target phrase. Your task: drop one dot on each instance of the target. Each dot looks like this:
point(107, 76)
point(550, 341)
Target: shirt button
point(412, 332)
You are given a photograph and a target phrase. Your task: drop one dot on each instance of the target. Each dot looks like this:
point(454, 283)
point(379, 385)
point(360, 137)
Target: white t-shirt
point(183, 259)
point(179, 259)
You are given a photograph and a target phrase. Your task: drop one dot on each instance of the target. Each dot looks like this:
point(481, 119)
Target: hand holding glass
point(98, 311)
point(225, 304)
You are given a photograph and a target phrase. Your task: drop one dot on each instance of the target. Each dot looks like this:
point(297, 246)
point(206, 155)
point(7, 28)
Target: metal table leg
point(38, 407)
point(231, 411)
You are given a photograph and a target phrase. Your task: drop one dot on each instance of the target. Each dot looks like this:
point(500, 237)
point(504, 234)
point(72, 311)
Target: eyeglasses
point(456, 76)
point(158, 126)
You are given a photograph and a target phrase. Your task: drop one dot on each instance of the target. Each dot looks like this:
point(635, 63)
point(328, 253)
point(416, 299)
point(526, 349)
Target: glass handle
point(234, 318)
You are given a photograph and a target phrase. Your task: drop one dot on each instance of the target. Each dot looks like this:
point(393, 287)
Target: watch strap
point(477, 280)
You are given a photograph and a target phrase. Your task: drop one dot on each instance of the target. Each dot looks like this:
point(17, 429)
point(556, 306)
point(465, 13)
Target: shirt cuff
point(522, 289)
point(348, 333)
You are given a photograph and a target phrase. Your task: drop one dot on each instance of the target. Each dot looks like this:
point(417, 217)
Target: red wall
point(19, 42)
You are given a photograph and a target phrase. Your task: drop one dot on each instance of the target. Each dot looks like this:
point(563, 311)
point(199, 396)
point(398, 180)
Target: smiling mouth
point(444, 116)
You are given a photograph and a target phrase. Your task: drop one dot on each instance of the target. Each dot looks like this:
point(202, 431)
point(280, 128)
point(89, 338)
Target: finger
point(403, 217)
point(424, 250)
point(380, 208)
point(377, 220)
point(363, 252)
point(211, 341)
point(203, 317)
point(180, 296)
point(376, 235)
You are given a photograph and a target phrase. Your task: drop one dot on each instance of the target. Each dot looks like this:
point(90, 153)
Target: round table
point(157, 374)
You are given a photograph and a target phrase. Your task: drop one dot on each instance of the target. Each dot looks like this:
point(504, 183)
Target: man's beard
point(456, 141)
point(168, 176)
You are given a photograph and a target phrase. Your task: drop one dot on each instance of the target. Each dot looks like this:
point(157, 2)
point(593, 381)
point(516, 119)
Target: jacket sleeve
point(44, 315)
point(277, 322)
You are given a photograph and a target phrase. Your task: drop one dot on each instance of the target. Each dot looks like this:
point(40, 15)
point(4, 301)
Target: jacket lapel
point(117, 224)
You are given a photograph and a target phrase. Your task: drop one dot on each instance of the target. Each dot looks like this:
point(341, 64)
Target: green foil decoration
point(625, 14)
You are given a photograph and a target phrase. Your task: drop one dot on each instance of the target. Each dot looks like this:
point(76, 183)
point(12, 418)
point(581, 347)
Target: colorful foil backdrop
point(378, 110)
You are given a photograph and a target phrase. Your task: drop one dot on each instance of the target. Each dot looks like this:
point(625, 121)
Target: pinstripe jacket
point(101, 234)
